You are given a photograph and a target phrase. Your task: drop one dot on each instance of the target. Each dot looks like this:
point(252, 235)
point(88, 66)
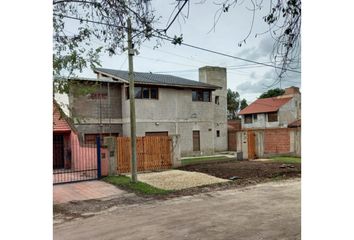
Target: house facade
point(276, 112)
point(165, 105)
point(271, 126)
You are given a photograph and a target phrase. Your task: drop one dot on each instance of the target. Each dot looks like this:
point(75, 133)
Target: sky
point(197, 29)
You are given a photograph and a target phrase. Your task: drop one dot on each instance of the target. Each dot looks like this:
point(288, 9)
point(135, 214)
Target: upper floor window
point(273, 117)
point(248, 118)
point(217, 100)
point(201, 95)
point(255, 117)
point(143, 92)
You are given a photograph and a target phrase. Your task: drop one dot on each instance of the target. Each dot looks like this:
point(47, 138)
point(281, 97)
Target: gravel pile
point(177, 179)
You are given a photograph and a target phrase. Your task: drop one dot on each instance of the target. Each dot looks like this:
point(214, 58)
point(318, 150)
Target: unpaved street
point(265, 211)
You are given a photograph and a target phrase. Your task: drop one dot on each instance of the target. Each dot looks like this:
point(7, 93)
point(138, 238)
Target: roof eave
point(214, 87)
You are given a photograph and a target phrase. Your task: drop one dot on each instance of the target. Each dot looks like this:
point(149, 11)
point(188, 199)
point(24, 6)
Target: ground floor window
point(163, 133)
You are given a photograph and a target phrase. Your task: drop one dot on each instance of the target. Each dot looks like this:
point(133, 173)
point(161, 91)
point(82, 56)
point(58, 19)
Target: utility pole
point(132, 104)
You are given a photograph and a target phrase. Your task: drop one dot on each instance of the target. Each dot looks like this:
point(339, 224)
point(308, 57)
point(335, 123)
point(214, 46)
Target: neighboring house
point(165, 105)
point(273, 112)
point(69, 153)
point(271, 126)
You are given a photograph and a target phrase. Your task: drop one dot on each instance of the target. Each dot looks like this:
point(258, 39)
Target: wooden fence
point(153, 153)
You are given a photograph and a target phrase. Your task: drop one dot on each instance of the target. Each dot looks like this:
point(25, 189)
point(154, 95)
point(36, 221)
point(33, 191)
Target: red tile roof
point(264, 105)
point(61, 122)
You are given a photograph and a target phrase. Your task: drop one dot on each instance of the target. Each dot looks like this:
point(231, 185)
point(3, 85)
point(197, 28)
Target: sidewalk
point(84, 191)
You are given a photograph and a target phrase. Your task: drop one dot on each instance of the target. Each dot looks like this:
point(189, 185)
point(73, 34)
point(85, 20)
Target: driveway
point(260, 212)
point(80, 191)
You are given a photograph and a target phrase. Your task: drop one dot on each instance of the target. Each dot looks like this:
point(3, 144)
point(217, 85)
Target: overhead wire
point(167, 38)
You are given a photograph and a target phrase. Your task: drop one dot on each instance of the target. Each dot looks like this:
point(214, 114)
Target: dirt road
point(265, 211)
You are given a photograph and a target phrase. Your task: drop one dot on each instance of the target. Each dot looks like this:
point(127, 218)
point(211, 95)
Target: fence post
point(98, 143)
point(111, 143)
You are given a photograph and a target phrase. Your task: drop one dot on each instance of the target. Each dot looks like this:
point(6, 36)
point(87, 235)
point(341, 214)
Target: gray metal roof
point(156, 79)
point(107, 80)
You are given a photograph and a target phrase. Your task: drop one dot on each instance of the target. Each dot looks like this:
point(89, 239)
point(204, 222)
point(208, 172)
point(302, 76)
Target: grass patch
point(139, 187)
point(287, 160)
point(202, 159)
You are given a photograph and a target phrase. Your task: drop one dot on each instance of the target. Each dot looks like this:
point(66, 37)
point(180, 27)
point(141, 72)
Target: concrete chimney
point(213, 75)
point(291, 90)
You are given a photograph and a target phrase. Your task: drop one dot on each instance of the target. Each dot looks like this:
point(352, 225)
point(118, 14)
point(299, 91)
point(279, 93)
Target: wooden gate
point(251, 145)
point(152, 153)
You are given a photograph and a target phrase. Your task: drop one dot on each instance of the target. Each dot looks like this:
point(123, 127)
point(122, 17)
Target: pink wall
point(84, 156)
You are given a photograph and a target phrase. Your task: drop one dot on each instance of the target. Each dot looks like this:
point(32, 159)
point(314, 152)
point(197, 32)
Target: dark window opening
point(138, 92)
point(217, 100)
point(248, 118)
point(273, 117)
point(201, 95)
point(194, 96)
point(217, 133)
point(143, 92)
point(146, 93)
point(255, 117)
point(154, 93)
point(127, 92)
point(164, 133)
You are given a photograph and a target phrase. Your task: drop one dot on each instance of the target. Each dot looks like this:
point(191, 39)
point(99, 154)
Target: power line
point(185, 2)
point(167, 38)
point(160, 60)
point(174, 54)
point(227, 55)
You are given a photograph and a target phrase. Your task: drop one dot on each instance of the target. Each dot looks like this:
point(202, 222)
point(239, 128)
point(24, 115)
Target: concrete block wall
point(89, 107)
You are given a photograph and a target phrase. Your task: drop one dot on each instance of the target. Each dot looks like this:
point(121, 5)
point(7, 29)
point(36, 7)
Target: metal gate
point(75, 161)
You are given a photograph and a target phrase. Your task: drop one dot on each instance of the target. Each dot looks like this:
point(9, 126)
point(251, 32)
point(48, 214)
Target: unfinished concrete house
point(165, 105)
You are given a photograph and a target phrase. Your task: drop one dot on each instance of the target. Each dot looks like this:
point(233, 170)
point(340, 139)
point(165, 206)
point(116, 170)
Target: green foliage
point(177, 40)
point(139, 187)
point(75, 50)
point(287, 160)
point(272, 93)
point(243, 104)
point(233, 103)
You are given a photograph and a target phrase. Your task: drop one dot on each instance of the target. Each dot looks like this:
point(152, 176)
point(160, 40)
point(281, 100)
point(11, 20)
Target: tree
point(284, 22)
point(243, 104)
point(101, 20)
point(272, 93)
point(233, 103)
point(105, 21)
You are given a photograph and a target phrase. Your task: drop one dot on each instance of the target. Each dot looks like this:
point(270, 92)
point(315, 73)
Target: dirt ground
point(246, 173)
point(265, 211)
point(247, 170)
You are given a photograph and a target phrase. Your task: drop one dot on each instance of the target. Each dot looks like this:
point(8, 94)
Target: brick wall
point(276, 141)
